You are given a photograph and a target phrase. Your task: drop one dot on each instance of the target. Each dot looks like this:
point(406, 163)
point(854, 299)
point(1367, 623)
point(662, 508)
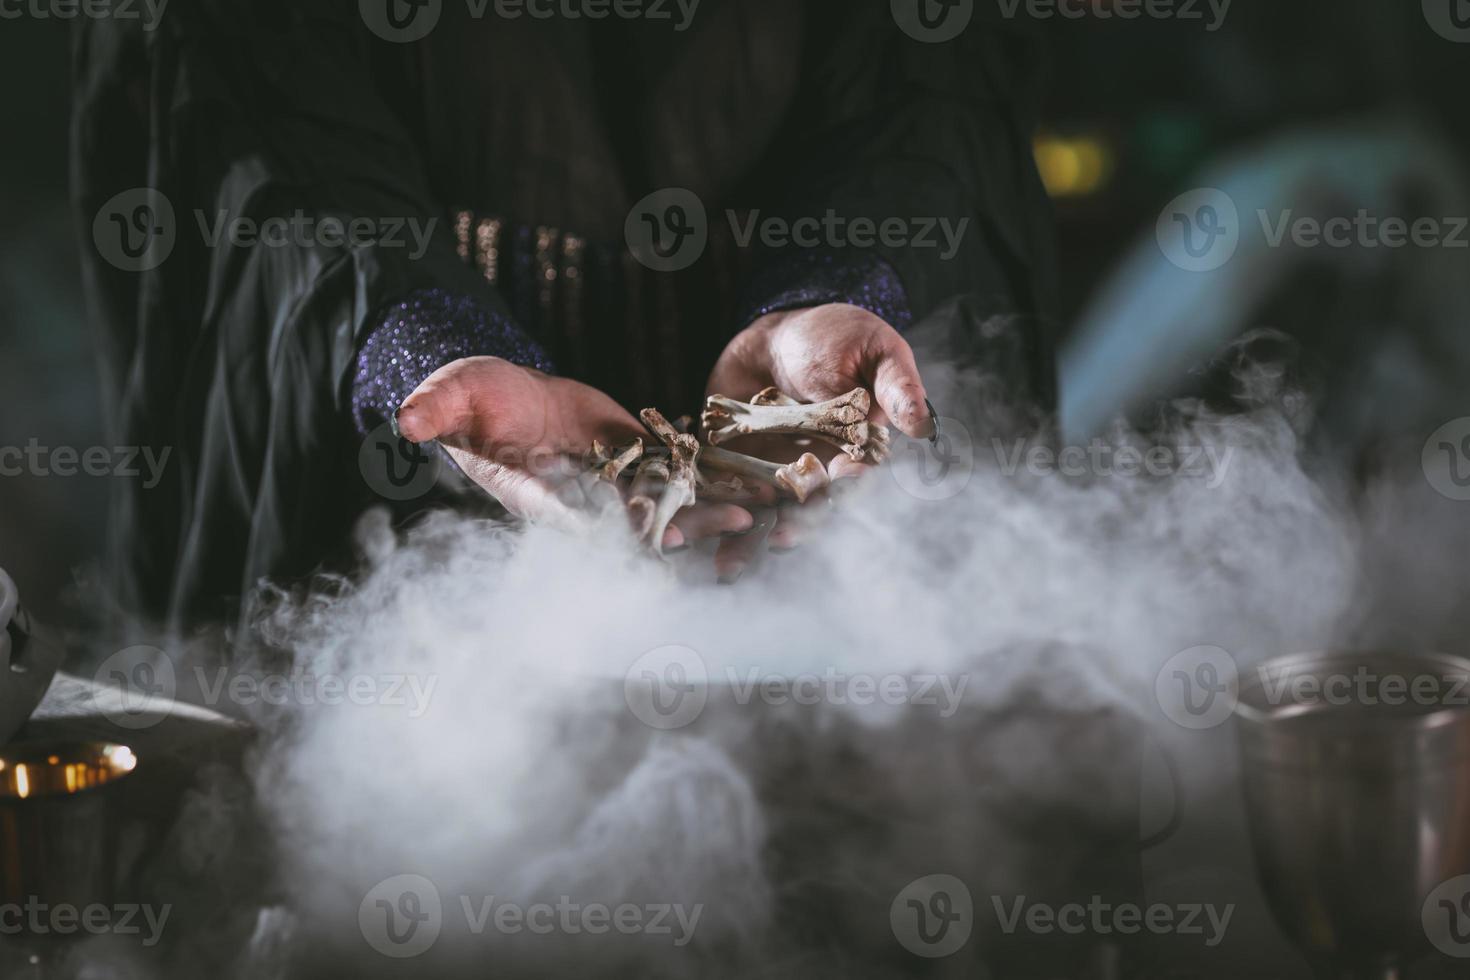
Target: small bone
point(610, 464)
point(649, 482)
point(731, 491)
point(650, 478)
point(599, 483)
point(800, 479)
point(842, 421)
point(679, 488)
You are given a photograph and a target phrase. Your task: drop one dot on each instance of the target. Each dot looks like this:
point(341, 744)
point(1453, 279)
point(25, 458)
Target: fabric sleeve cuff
point(814, 278)
point(421, 333)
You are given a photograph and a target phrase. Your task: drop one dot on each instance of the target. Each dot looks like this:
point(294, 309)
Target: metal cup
point(58, 831)
point(1356, 773)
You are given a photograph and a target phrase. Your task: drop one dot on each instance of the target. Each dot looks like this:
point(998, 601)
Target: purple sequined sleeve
point(420, 334)
point(813, 278)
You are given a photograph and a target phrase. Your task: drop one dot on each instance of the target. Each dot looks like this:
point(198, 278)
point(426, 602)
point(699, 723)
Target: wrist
point(415, 337)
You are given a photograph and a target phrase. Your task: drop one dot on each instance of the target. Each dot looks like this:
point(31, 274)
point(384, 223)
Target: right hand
point(512, 430)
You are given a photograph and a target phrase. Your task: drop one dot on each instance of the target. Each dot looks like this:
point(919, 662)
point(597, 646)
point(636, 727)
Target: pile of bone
point(677, 470)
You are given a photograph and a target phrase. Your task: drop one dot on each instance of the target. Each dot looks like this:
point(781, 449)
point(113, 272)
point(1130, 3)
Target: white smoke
point(784, 830)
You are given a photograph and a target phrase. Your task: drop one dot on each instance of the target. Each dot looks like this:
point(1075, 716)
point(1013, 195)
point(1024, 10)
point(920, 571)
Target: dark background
point(1158, 98)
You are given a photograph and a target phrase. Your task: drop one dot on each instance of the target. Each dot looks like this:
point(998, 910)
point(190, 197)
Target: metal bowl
point(1356, 773)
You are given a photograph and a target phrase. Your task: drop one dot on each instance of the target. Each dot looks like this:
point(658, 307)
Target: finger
point(844, 467)
point(704, 521)
point(797, 523)
point(524, 496)
point(735, 554)
point(438, 406)
point(898, 388)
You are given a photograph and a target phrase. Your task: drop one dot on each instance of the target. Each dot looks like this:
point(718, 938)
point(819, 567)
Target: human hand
point(520, 434)
point(813, 355)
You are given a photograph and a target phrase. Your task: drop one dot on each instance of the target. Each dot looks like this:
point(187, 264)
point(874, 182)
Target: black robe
point(240, 359)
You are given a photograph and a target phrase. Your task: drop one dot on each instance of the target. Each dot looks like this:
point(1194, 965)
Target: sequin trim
point(805, 279)
point(419, 335)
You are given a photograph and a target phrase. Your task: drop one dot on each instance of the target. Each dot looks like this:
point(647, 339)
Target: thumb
point(899, 389)
point(476, 401)
point(440, 406)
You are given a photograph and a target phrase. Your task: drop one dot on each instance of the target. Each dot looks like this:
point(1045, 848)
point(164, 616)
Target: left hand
point(814, 354)
point(821, 352)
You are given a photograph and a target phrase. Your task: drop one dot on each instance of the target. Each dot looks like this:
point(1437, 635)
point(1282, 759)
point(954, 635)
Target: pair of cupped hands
point(503, 424)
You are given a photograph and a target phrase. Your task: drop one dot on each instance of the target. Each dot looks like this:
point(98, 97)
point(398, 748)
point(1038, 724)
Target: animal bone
point(682, 475)
point(842, 421)
point(800, 479)
point(731, 491)
point(610, 464)
point(598, 484)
